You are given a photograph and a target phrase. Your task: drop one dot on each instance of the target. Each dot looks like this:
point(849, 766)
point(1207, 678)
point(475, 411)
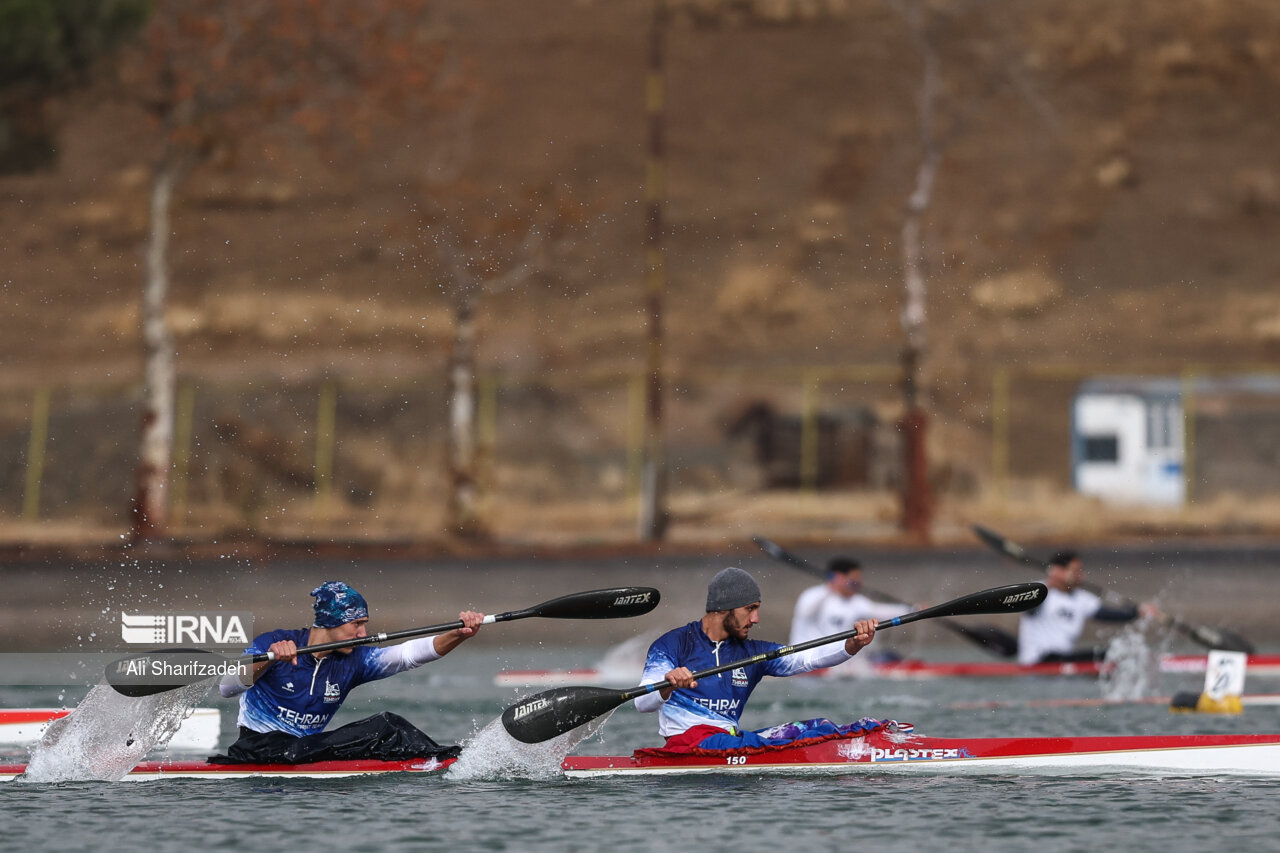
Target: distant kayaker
point(704, 714)
point(1049, 633)
point(838, 604)
point(289, 701)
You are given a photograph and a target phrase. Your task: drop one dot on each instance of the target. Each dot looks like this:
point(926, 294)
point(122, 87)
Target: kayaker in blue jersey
point(288, 703)
point(704, 714)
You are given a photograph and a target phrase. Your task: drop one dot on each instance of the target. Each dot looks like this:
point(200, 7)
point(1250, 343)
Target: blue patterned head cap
point(338, 604)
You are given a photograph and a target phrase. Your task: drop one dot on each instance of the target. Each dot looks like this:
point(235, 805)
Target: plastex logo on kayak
point(201, 629)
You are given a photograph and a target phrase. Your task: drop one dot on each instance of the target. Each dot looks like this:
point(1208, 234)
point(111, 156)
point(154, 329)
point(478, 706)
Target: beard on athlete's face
point(736, 624)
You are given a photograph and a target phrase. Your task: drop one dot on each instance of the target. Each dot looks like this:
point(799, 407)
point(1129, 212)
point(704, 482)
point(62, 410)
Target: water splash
point(1131, 667)
point(108, 734)
point(625, 661)
point(494, 754)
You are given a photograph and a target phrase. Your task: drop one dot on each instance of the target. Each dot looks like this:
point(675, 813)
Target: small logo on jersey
point(739, 677)
point(288, 686)
point(332, 692)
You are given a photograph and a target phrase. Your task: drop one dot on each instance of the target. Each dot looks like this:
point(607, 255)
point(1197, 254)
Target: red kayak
point(150, 770)
point(1191, 755)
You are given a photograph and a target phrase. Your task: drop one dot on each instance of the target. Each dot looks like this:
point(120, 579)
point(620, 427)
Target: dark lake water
point(535, 809)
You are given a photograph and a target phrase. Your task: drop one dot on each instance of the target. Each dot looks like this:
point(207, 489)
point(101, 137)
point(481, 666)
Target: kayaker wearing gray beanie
point(697, 711)
point(731, 588)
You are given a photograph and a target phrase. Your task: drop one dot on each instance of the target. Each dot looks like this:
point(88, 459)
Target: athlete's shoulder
point(679, 633)
point(818, 591)
point(1087, 597)
point(751, 647)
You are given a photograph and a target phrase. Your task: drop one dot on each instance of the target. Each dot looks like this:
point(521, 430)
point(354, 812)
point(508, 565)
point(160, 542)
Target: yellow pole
point(636, 398)
point(809, 432)
point(326, 417)
point(184, 417)
point(486, 430)
point(1000, 431)
point(35, 453)
point(1188, 433)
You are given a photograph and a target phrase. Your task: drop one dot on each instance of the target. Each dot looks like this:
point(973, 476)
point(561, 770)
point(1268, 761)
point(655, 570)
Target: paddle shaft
point(770, 655)
point(987, 636)
point(593, 604)
point(1213, 638)
point(384, 636)
point(775, 550)
point(612, 603)
point(905, 619)
point(1017, 552)
point(552, 713)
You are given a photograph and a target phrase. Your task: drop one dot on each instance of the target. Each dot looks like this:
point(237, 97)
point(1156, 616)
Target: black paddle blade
point(1013, 598)
point(149, 673)
point(1004, 546)
point(617, 603)
point(771, 548)
point(553, 712)
point(1219, 638)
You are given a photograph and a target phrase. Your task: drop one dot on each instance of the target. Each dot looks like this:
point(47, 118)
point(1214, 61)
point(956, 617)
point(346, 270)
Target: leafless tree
point(943, 113)
point(212, 75)
point(481, 243)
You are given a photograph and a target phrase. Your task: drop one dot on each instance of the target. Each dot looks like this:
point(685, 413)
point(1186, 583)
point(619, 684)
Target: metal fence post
point(35, 453)
point(326, 417)
point(1188, 434)
point(184, 416)
point(1000, 431)
point(810, 382)
point(486, 431)
point(636, 398)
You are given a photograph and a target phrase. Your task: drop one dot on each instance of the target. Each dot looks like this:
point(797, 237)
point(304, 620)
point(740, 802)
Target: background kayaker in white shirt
point(1049, 633)
point(838, 604)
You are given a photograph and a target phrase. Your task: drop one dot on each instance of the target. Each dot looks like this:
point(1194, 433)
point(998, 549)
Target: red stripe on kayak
point(19, 716)
point(417, 765)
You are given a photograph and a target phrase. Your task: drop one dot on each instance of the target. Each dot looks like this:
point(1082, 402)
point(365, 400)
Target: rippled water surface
point(532, 808)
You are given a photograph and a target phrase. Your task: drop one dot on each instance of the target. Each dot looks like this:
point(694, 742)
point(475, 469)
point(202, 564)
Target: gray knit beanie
point(731, 588)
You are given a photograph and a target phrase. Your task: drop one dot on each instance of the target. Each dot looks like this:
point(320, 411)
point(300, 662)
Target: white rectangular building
point(1128, 440)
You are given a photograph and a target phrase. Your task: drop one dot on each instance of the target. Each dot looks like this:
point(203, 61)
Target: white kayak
point(880, 751)
point(877, 752)
point(199, 732)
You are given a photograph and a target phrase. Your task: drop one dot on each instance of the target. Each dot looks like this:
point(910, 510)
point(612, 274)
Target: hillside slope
point(1106, 202)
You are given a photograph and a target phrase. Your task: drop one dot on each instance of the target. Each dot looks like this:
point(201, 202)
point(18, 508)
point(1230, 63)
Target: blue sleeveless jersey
point(718, 700)
point(302, 699)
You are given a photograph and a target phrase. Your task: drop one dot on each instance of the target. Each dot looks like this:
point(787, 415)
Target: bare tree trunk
point(917, 497)
point(149, 512)
point(653, 517)
point(464, 511)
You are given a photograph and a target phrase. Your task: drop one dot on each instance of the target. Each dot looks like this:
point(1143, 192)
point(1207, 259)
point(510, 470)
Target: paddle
point(989, 637)
point(1209, 637)
point(554, 712)
point(148, 673)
